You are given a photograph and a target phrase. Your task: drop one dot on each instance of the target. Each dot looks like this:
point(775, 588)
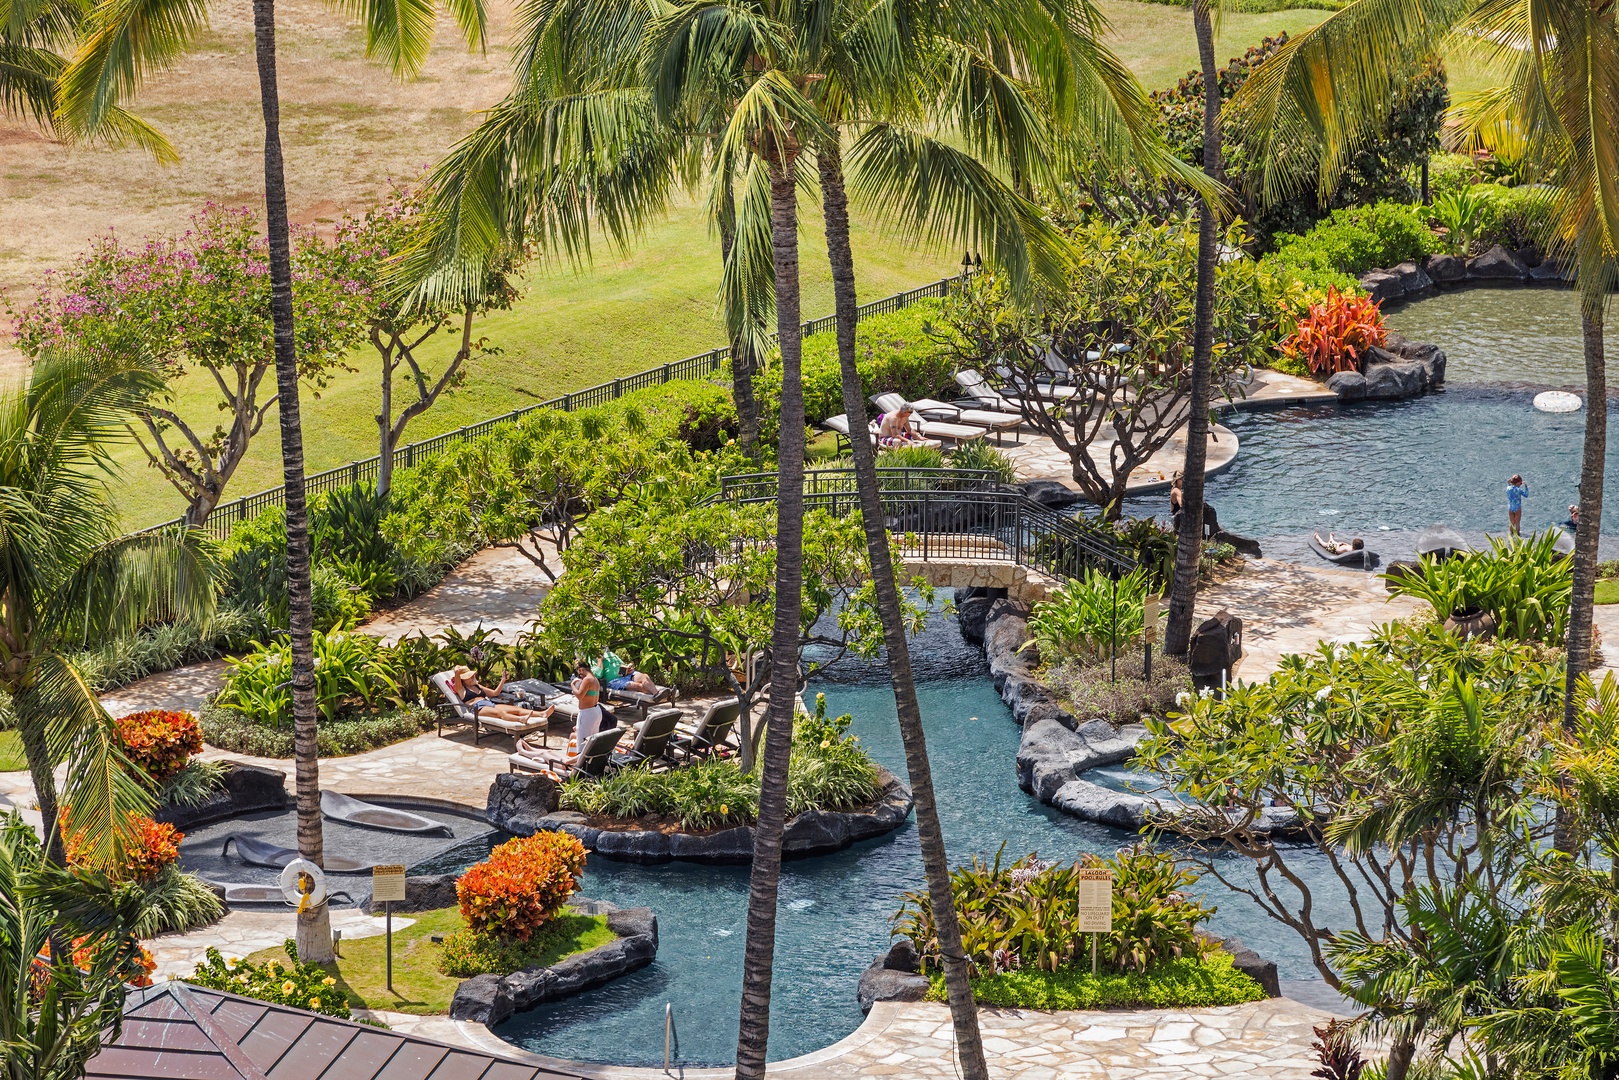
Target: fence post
point(567, 401)
point(666, 372)
point(617, 388)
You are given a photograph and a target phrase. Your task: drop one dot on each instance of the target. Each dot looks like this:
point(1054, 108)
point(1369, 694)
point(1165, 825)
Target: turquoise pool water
point(834, 909)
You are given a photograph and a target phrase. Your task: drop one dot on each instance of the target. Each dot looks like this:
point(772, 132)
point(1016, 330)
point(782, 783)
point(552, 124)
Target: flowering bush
point(152, 847)
point(1336, 333)
point(288, 982)
point(86, 955)
point(160, 741)
point(522, 885)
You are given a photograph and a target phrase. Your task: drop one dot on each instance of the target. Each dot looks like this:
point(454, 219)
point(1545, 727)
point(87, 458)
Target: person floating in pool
point(1340, 547)
point(1573, 522)
point(1516, 490)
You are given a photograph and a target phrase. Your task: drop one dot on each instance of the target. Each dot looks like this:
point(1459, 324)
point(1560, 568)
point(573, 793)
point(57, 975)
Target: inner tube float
point(1557, 401)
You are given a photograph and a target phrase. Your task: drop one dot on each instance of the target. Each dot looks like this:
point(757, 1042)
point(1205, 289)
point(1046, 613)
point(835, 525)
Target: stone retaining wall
point(489, 999)
point(527, 804)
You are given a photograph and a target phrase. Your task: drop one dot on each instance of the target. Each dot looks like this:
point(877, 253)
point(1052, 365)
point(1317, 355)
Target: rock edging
point(247, 789)
point(489, 999)
point(892, 977)
point(1057, 749)
point(1499, 265)
point(527, 804)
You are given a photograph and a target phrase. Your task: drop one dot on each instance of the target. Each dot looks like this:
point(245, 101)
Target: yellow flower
point(314, 1003)
point(724, 809)
point(328, 981)
point(288, 987)
point(825, 743)
point(269, 966)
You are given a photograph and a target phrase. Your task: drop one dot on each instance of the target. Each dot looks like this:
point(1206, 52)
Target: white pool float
point(1557, 401)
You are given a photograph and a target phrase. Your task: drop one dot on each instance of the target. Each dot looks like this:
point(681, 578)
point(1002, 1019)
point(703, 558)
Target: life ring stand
point(303, 884)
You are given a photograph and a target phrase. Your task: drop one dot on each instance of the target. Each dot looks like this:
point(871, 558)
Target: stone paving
point(1037, 458)
point(1291, 608)
point(1267, 1040)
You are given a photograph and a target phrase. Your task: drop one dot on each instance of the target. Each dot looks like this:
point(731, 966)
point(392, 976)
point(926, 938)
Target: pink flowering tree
point(403, 323)
point(201, 302)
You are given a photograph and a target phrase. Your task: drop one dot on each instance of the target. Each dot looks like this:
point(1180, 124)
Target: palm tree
point(122, 42)
point(1328, 88)
point(1189, 541)
point(66, 577)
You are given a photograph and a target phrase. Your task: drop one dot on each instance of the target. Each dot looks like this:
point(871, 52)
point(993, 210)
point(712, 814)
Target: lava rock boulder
point(519, 801)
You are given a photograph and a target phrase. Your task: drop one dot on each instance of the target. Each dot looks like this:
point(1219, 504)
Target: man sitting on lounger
point(636, 682)
point(1340, 547)
point(477, 697)
point(895, 429)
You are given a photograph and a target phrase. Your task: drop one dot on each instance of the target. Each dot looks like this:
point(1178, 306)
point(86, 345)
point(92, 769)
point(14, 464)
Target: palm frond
point(123, 42)
point(119, 586)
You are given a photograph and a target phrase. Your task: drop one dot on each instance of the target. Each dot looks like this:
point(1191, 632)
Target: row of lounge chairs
point(661, 742)
point(937, 422)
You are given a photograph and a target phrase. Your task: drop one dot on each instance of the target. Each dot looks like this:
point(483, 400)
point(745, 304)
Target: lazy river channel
point(834, 910)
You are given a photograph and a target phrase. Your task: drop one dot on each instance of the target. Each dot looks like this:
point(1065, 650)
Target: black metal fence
point(957, 514)
point(701, 366)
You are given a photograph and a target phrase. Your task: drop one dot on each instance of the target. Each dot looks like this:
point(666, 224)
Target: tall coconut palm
point(894, 74)
point(1328, 88)
point(1189, 541)
point(123, 41)
point(67, 578)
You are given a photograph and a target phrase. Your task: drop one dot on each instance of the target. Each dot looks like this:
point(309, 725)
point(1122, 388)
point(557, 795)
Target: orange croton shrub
point(522, 885)
point(1335, 334)
point(138, 967)
point(160, 741)
point(153, 846)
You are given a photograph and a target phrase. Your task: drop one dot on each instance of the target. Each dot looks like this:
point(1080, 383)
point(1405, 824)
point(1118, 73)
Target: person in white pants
point(588, 692)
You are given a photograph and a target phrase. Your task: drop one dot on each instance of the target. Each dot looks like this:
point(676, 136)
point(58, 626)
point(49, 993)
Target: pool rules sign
point(1095, 896)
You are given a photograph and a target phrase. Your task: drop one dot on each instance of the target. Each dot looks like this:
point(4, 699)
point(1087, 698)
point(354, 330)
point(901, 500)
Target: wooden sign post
point(388, 885)
point(1095, 905)
point(1149, 633)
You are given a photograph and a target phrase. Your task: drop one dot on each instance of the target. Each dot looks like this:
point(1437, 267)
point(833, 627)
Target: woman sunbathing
point(477, 697)
point(1340, 547)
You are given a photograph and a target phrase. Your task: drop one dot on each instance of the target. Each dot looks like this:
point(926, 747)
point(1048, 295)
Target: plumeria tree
point(199, 302)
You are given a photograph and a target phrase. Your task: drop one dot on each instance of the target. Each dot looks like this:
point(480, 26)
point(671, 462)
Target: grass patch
point(419, 988)
point(12, 759)
point(1607, 593)
point(1185, 983)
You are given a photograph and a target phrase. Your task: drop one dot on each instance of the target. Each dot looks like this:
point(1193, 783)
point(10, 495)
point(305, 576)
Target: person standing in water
point(1516, 490)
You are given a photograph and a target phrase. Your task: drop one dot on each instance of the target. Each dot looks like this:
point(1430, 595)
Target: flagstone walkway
point(1265, 1040)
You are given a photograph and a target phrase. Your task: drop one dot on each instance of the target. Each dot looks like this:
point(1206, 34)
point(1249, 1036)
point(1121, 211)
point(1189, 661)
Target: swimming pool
point(834, 909)
point(1383, 470)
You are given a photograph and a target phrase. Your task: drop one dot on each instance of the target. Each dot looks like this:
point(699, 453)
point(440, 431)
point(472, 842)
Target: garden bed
point(227, 729)
point(1186, 983)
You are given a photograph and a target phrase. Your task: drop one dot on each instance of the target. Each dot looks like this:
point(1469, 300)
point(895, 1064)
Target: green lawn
point(11, 755)
point(1608, 591)
point(418, 987)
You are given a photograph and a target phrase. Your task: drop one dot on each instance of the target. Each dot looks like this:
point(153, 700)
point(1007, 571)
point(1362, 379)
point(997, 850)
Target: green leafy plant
point(1461, 213)
point(1084, 617)
point(1355, 239)
point(281, 982)
point(351, 671)
point(1118, 693)
point(231, 730)
point(1189, 983)
point(1026, 915)
point(465, 954)
point(979, 454)
point(1527, 585)
point(828, 769)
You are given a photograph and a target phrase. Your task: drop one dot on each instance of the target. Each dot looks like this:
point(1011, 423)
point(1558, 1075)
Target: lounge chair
point(712, 733)
point(642, 702)
point(1057, 386)
point(975, 386)
point(940, 411)
point(591, 761)
point(454, 708)
point(352, 811)
point(651, 741)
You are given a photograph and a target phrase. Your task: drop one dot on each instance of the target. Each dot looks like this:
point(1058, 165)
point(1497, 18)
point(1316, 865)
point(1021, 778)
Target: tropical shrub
point(1189, 983)
point(231, 730)
point(167, 897)
point(125, 659)
point(1118, 693)
point(1460, 213)
point(910, 457)
point(1516, 217)
point(1527, 585)
point(281, 982)
point(352, 671)
point(1355, 239)
point(1026, 915)
point(152, 846)
point(465, 954)
point(160, 741)
point(1336, 334)
point(896, 352)
point(521, 886)
point(828, 769)
point(979, 454)
point(1087, 615)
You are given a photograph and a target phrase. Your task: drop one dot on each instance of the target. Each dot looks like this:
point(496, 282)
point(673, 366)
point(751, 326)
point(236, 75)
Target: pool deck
point(1269, 1040)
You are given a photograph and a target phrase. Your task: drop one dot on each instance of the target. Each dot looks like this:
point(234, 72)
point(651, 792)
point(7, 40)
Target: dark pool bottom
point(834, 910)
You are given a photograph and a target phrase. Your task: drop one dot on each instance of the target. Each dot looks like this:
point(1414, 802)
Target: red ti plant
point(1336, 333)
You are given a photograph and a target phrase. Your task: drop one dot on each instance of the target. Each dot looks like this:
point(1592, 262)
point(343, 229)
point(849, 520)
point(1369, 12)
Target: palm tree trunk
point(935, 862)
point(742, 359)
point(1589, 530)
point(314, 937)
point(31, 732)
point(759, 954)
point(1188, 544)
